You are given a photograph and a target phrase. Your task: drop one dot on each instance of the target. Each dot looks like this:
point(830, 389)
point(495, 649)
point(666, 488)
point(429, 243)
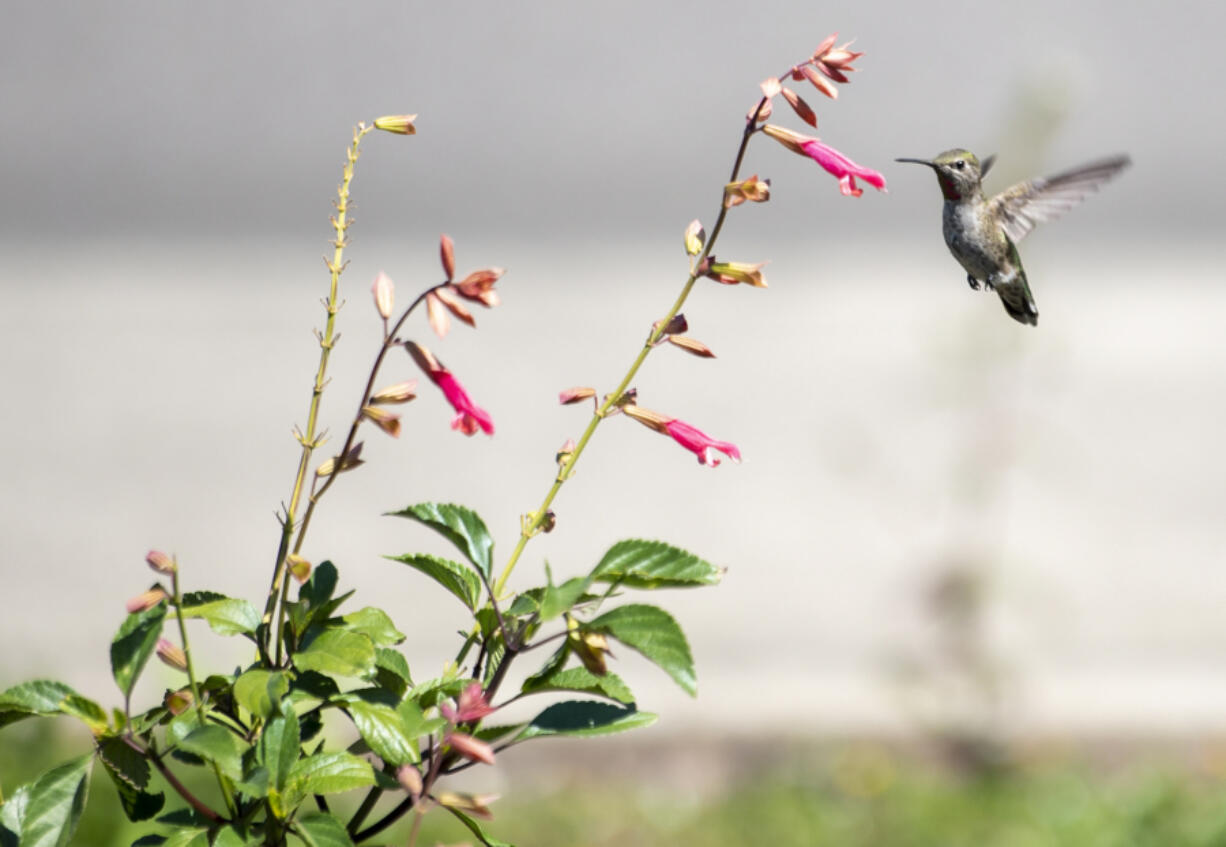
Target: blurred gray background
point(943, 517)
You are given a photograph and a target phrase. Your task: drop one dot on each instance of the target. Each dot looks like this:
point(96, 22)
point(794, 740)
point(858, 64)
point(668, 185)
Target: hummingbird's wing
point(1034, 201)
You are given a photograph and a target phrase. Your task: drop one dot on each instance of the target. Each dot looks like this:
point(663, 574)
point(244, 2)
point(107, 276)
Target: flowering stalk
point(327, 340)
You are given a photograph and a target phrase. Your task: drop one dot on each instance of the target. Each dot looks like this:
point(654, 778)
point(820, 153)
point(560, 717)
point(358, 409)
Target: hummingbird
point(983, 233)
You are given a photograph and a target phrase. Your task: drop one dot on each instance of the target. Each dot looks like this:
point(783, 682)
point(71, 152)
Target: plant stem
point(327, 339)
point(532, 526)
point(222, 783)
point(192, 800)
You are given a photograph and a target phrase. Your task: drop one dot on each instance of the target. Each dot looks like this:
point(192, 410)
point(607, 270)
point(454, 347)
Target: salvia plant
point(327, 705)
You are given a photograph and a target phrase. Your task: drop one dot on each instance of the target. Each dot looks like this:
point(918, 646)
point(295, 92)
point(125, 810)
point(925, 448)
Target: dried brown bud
point(448, 294)
point(692, 345)
point(446, 251)
point(351, 460)
point(676, 325)
point(576, 394)
point(399, 124)
point(548, 522)
point(401, 392)
point(476, 805)
point(591, 648)
point(800, 107)
point(161, 562)
point(754, 189)
point(383, 419)
point(820, 82)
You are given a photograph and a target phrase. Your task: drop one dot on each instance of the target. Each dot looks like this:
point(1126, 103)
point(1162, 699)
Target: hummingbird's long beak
point(917, 162)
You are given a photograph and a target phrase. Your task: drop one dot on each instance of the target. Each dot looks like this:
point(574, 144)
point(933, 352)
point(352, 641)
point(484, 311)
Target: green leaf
point(475, 829)
point(318, 589)
point(190, 837)
point(225, 615)
point(561, 598)
point(392, 671)
point(230, 837)
point(54, 804)
point(37, 697)
point(382, 728)
point(133, 645)
point(652, 631)
point(414, 721)
point(653, 564)
point(322, 830)
point(330, 773)
point(339, 652)
point(217, 745)
point(459, 579)
point(260, 691)
point(460, 526)
point(130, 772)
point(581, 679)
point(375, 625)
point(86, 711)
point(278, 749)
point(585, 718)
point(12, 813)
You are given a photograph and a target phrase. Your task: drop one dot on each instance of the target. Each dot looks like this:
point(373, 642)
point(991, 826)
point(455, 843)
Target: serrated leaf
point(475, 829)
point(260, 691)
point(585, 718)
point(218, 745)
point(37, 697)
point(652, 631)
point(331, 773)
point(54, 804)
point(637, 563)
point(375, 625)
point(581, 679)
point(392, 671)
point(129, 771)
point(338, 652)
point(459, 525)
point(133, 645)
point(382, 728)
point(459, 579)
point(13, 812)
point(322, 830)
point(225, 615)
point(86, 711)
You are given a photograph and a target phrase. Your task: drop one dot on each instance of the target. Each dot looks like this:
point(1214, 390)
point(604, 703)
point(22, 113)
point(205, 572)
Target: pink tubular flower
point(469, 416)
point(472, 705)
point(830, 159)
point(689, 437)
point(701, 444)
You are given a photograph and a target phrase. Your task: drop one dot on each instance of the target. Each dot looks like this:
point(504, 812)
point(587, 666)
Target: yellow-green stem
point(540, 515)
point(327, 339)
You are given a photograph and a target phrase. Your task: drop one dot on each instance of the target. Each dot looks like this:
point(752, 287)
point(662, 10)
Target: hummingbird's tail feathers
point(1022, 309)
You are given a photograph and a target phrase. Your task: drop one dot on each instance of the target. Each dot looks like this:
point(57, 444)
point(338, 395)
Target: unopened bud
point(384, 291)
point(820, 82)
point(448, 294)
point(172, 654)
point(825, 45)
point(401, 392)
point(800, 107)
point(476, 805)
point(591, 648)
point(399, 124)
point(146, 601)
point(566, 451)
point(762, 109)
point(575, 394)
point(409, 778)
point(446, 252)
point(299, 568)
point(383, 419)
point(473, 749)
point(692, 346)
point(695, 237)
point(770, 87)
point(436, 313)
point(350, 460)
point(160, 562)
point(178, 702)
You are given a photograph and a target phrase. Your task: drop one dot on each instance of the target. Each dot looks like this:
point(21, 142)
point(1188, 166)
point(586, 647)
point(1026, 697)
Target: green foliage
point(635, 563)
point(322, 830)
point(259, 691)
point(460, 526)
point(338, 652)
point(134, 644)
point(45, 812)
point(461, 581)
point(582, 680)
point(585, 718)
point(225, 615)
point(652, 631)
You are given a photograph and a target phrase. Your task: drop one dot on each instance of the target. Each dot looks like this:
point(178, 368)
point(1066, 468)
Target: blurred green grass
point(846, 795)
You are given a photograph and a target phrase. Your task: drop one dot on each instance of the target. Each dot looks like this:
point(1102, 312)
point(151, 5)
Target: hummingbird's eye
point(960, 164)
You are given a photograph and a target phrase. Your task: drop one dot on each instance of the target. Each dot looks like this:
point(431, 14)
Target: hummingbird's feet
point(974, 283)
